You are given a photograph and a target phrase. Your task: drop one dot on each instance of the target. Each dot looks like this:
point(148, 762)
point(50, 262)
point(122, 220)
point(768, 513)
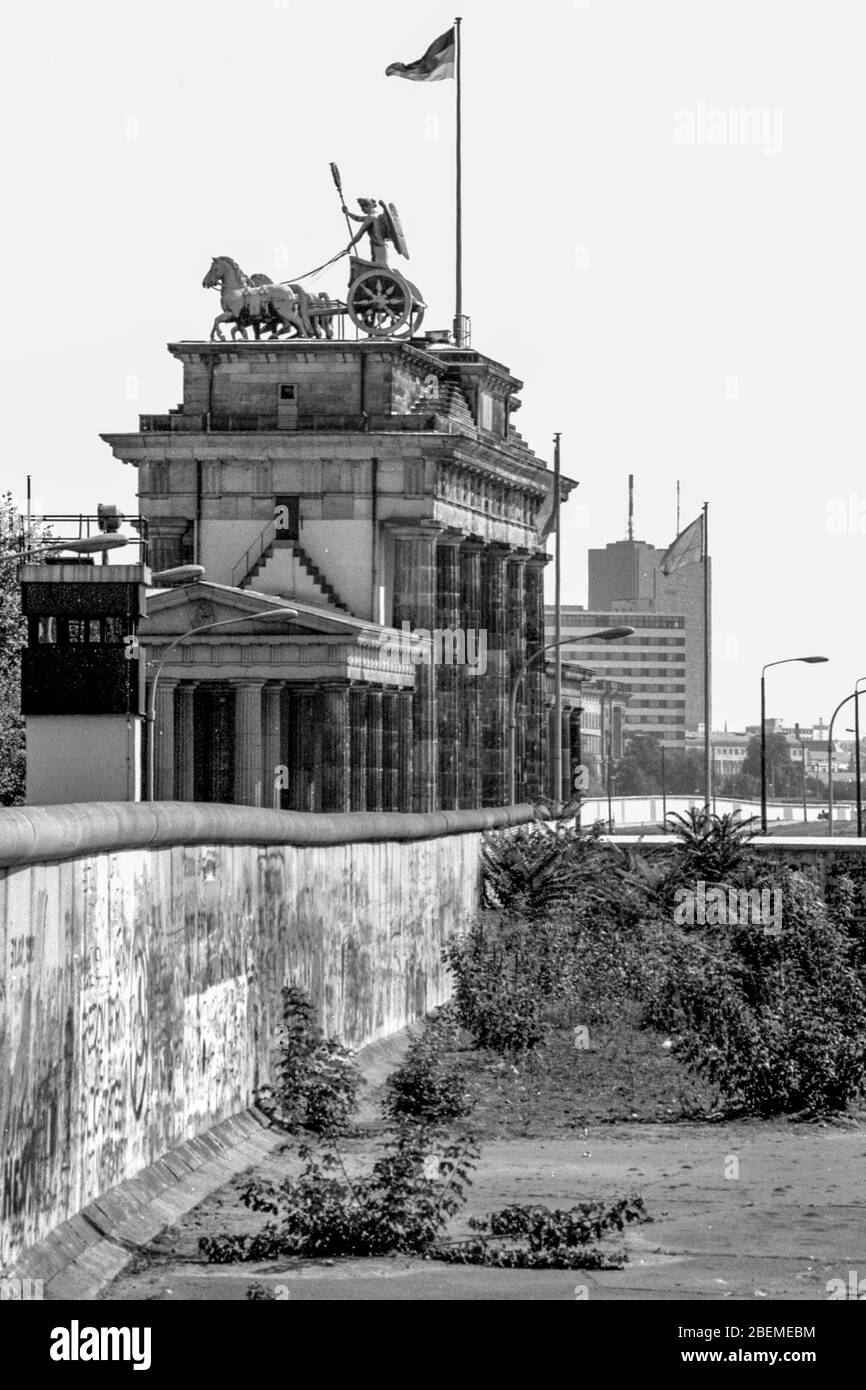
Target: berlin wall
point(144, 951)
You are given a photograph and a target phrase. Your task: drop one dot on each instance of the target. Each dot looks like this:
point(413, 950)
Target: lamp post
point(855, 694)
point(857, 754)
point(608, 768)
point(841, 705)
point(787, 661)
point(802, 744)
point(607, 634)
point(266, 614)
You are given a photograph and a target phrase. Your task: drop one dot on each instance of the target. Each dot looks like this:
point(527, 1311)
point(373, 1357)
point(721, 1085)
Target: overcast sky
point(682, 293)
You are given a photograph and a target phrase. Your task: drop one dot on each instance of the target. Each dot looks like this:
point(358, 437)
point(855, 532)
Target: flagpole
point(557, 630)
point(708, 762)
point(458, 261)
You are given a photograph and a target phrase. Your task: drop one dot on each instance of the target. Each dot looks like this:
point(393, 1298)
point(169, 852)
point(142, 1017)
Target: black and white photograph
point(432, 509)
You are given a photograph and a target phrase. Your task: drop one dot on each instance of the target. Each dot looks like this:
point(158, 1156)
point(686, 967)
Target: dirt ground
point(748, 1210)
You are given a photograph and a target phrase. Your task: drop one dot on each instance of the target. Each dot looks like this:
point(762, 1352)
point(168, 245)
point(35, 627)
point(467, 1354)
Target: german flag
point(436, 64)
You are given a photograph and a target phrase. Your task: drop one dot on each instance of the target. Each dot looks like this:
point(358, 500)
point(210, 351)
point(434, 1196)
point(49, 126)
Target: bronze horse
point(254, 301)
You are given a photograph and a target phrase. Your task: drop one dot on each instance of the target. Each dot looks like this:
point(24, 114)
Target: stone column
point(273, 750)
point(333, 715)
point(374, 750)
point(449, 674)
point(164, 751)
point(535, 761)
point(303, 738)
point(248, 742)
point(574, 748)
point(390, 752)
point(516, 640)
point(358, 746)
point(565, 778)
point(184, 733)
point(495, 689)
point(550, 719)
point(476, 646)
point(415, 602)
point(405, 750)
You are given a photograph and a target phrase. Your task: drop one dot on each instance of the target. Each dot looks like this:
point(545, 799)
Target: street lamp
point(857, 753)
point(802, 744)
point(855, 697)
point(266, 614)
point(607, 634)
point(787, 661)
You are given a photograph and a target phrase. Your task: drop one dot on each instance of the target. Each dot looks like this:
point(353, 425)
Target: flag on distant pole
point(436, 64)
point(686, 549)
point(443, 59)
point(690, 547)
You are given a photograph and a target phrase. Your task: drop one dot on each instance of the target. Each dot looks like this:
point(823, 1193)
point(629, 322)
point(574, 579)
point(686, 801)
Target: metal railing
point(253, 554)
point(71, 526)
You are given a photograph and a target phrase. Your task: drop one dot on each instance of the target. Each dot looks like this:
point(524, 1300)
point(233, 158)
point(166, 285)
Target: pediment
point(173, 611)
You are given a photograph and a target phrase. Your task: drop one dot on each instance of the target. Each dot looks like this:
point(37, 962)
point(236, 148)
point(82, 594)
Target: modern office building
point(626, 577)
point(650, 665)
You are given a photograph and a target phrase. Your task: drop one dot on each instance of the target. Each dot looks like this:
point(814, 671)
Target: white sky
point(636, 284)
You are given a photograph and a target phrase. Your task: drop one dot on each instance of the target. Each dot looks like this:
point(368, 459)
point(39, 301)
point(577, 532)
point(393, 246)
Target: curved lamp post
point(787, 661)
point(842, 703)
point(266, 614)
point(857, 754)
point(606, 634)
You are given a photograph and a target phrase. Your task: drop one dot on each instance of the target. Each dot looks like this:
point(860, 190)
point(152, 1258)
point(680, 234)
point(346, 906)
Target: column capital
point(246, 682)
point(415, 530)
point(452, 538)
point(538, 559)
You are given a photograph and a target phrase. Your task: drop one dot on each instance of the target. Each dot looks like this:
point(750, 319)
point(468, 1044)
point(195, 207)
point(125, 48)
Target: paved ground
point(751, 1211)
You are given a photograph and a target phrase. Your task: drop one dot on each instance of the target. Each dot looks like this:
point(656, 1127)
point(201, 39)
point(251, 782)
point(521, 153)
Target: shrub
point(317, 1081)
point(496, 990)
point(534, 1237)
point(527, 871)
point(713, 849)
point(426, 1086)
point(414, 1189)
point(776, 1022)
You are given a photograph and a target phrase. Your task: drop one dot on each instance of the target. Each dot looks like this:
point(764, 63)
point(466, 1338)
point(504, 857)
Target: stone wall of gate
point(143, 953)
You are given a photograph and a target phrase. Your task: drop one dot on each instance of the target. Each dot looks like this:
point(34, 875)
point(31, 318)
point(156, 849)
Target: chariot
point(382, 302)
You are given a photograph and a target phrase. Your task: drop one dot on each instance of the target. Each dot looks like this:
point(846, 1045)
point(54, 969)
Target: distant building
point(626, 577)
point(650, 665)
point(728, 754)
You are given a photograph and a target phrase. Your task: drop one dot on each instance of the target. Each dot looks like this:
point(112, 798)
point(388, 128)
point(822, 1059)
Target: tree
point(639, 771)
point(782, 776)
point(12, 632)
